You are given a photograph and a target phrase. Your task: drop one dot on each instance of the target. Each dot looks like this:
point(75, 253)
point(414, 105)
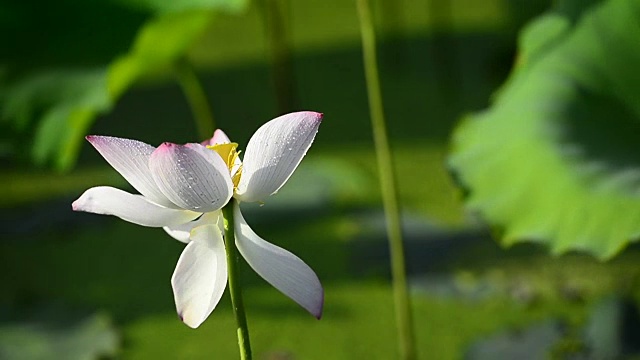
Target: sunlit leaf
point(555, 159)
point(157, 46)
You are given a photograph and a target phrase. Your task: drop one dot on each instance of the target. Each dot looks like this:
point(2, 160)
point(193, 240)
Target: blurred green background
point(81, 286)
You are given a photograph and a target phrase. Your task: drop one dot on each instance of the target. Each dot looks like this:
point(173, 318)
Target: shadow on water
point(93, 260)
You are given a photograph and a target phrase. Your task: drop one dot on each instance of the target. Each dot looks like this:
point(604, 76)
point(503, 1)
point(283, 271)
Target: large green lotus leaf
point(61, 102)
point(555, 159)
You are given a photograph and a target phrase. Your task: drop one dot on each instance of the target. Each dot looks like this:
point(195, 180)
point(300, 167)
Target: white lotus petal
point(182, 232)
point(280, 268)
point(137, 209)
point(274, 152)
point(191, 176)
point(131, 159)
point(200, 276)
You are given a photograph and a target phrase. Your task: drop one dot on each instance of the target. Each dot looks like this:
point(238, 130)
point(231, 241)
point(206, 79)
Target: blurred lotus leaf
point(55, 333)
point(74, 60)
point(165, 6)
point(555, 159)
point(534, 342)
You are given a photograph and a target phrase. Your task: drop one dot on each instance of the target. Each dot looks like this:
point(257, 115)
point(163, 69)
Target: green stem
point(234, 283)
point(387, 182)
point(275, 14)
point(197, 98)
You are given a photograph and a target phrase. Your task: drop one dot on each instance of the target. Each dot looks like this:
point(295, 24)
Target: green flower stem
point(234, 285)
point(276, 14)
point(197, 98)
point(387, 182)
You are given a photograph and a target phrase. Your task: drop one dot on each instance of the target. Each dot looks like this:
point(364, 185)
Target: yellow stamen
point(229, 154)
point(236, 177)
point(226, 152)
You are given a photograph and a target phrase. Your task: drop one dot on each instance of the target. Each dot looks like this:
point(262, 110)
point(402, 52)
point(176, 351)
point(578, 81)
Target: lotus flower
point(183, 189)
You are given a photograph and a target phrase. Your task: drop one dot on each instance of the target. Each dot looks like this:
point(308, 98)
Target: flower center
point(229, 154)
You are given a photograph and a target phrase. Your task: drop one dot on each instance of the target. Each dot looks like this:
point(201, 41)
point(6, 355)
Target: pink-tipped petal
point(182, 232)
point(191, 176)
point(274, 152)
point(219, 137)
point(131, 159)
point(280, 268)
point(132, 208)
point(200, 276)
